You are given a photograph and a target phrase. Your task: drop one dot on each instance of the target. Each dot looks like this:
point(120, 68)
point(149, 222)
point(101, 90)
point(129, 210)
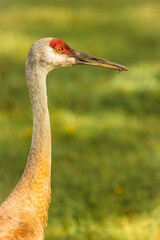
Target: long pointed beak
point(84, 58)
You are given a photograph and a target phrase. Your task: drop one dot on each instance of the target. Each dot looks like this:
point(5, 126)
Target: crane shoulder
point(17, 224)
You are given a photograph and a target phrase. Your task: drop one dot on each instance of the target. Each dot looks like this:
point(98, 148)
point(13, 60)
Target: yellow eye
point(59, 49)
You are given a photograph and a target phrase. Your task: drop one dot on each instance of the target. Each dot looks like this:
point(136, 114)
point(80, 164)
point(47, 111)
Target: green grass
point(105, 125)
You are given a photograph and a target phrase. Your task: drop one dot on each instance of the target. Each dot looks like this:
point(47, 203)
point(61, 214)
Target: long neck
point(37, 173)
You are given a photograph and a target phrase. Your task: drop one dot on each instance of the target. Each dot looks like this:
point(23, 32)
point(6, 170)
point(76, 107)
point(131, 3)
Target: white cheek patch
point(59, 60)
point(50, 59)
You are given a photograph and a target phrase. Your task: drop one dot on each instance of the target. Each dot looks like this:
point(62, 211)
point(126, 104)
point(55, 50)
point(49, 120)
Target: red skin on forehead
point(55, 42)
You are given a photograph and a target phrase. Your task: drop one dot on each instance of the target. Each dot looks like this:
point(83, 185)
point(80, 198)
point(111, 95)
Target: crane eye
point(59, 49)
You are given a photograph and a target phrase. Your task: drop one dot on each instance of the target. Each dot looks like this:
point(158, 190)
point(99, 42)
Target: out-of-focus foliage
point(105, 125)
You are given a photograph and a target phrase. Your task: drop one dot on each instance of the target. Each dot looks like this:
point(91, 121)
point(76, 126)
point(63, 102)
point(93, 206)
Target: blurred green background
point(105, 124)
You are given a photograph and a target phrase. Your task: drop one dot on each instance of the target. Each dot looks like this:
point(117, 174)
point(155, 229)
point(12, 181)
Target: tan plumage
point(24, 214)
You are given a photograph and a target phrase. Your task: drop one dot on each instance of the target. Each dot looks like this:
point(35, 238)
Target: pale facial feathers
point(42, 56)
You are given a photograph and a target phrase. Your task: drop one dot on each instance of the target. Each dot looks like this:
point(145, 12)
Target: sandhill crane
point(24, 213)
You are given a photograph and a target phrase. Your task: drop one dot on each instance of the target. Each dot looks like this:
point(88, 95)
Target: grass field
point(105, 124)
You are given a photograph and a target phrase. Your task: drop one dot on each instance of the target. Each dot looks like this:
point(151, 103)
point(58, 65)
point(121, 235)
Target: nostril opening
point(94, 58)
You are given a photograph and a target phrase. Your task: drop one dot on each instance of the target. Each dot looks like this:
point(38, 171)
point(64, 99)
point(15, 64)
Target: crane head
point(61, 48)
point(50, 53)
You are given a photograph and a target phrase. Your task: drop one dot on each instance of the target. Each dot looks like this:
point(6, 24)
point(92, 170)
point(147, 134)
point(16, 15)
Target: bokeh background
point(105, 124)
